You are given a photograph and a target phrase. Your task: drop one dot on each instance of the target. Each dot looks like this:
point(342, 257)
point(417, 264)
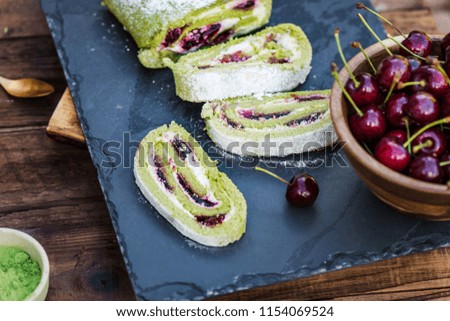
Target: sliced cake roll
point(275, 59)
point(170, 28)
point(184, 185)
point(275, 125)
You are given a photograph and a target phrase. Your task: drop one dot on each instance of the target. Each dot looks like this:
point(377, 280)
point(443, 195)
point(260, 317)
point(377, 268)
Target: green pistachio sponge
point(184, 185)
point(274, 125)
point(274, 59)
point(170, 28)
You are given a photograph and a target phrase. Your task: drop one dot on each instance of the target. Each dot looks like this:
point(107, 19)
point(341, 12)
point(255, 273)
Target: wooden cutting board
point(432, 16)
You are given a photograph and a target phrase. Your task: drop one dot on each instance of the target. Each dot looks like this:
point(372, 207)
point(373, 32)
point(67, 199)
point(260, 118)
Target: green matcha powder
point(19, 274)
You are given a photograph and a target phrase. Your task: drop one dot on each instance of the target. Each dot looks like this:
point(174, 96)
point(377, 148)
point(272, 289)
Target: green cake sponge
point(184, 185)
point(170, 28)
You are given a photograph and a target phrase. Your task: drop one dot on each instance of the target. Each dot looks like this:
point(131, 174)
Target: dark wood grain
point(50, 190)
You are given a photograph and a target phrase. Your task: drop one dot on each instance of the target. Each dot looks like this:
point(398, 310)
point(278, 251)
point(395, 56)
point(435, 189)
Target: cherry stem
point(347, 95)
point(356, 44)
point(419, 147)
point(408, 132)
point(367, 149)
point(359, 5)
point(271, 174)
point(374, 34)
point(446, 163)
point(395, 81)
point(341, 53)
point(404, 48)
point(402, 85)
point(445, 120)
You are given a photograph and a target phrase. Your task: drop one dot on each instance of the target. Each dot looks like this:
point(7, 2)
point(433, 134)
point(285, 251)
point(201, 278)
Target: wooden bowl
point(407, 195)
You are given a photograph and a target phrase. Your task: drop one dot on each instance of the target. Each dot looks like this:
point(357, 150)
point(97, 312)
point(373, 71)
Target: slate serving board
point(119, 101)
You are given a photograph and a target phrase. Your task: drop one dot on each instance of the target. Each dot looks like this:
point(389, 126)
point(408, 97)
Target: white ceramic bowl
point(10, 237)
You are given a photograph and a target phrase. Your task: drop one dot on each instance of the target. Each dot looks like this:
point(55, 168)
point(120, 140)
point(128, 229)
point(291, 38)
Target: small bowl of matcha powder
point(19, 274)
point(24, 268)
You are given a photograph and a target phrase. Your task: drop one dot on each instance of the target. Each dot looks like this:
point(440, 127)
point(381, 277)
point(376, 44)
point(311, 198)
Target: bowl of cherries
point(390, 106)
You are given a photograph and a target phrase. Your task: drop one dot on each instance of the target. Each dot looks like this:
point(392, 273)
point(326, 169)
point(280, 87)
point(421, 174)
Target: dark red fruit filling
point(308, 98)
point(160, 172)
point(251, 114)
point(182, 148)
point(210, 221)
point(275, 60)
point(194, 196)
point(238, 56)
point(224, 36)
point(246, 5)
point(200, 37)
point(305, 120)
point(172, 36)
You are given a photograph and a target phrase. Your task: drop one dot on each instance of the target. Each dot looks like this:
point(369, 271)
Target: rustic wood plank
point(423, 276)
point(35, 58)
point(22, 18)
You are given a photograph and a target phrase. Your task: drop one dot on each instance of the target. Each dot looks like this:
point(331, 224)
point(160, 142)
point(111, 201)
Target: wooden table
point(50, 190)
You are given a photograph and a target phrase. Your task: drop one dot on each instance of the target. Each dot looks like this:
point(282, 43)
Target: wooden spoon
point(26, 87)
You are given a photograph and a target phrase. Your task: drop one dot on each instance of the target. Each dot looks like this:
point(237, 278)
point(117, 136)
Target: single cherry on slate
point(423, 108)
point(426, 168)
point(417, 42)
point(390, 152)
point(302, 190)
point(391, 66)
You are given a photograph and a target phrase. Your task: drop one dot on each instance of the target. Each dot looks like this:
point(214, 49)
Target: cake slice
point(184, 185)
point(275, 59)
point(170, 28)
point(275, 125)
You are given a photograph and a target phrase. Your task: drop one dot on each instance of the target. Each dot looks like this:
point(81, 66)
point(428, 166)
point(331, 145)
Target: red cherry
point(426, 168)
point(414, 63)
point(366, 93)
point(445, 105)
point(423, 108)
point(435, 82)
point(436, 140)
point(396, 109)
point(400, 134)
point(419, 43)
point(391, 66)
point(370, 126)
point(445, 44)
point(302, 191)
point(390, 152)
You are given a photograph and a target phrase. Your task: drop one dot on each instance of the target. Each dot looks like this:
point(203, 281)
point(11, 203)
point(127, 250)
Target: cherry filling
point(172, 36)
point(308, 98)
point(200, 37)
point(246, 5)
point(182, 148)
point(238, 56)
point(210, 221)
point(160, 172)
point(251, 114)
point(224, 36)
point(305, 120)
point(203, 201)
point(274, 60)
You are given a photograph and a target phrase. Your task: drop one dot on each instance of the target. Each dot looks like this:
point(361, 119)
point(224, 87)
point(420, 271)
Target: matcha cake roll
point(274, 125)
point(275, 59)
point(184, 185)
point(170, 28)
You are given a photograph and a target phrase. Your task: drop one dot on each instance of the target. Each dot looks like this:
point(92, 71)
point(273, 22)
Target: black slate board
point(119, 101)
